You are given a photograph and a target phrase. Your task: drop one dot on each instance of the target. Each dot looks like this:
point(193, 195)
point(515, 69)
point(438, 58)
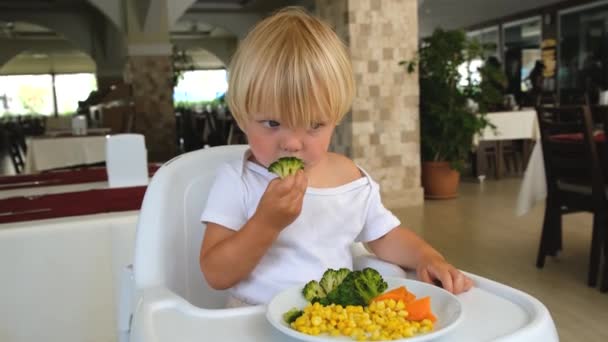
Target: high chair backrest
point(169, 231)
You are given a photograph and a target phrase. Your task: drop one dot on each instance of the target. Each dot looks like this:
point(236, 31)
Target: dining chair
point(574, 179)
point(126, 160)
point(601, 113)
point(166, 269)
point(547, 99)
point(17, 147)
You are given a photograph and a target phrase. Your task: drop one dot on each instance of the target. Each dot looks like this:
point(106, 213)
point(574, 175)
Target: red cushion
point(61, 177)
point(71, 204)
point(599, 137)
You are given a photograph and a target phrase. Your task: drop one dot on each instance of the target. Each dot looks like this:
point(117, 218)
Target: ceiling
point(432, 13)
point(451, 14)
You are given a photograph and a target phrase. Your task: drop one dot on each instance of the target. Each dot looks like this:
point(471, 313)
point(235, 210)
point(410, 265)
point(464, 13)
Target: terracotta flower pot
point(439, 180)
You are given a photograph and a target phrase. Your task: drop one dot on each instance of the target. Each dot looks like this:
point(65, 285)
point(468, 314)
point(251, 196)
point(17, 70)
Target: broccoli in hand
point(286, 166)
point(313, 291)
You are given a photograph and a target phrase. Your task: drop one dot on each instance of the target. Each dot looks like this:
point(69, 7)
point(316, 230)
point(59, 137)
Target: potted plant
point(448, 122)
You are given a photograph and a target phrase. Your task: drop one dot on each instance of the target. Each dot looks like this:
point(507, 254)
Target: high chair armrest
point(160, 310)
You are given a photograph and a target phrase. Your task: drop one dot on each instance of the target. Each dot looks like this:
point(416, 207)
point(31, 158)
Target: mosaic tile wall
point(151, 78)
point(382, 132)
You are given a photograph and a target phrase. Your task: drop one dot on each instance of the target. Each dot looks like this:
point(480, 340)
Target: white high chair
point(169, 288)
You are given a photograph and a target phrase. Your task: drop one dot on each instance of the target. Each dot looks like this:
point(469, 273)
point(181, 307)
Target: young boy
point(291, 82)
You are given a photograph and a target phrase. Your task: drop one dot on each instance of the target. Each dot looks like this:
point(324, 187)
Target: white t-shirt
point(330, 221)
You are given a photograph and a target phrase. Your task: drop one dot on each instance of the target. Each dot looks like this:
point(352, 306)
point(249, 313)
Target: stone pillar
point(150, 73)
point(382, 133)
point(151, 80)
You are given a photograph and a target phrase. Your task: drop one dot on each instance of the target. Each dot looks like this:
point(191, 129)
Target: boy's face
point(270, 140)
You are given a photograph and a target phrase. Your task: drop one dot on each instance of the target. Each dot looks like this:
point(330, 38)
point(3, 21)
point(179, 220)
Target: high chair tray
point(492, 312)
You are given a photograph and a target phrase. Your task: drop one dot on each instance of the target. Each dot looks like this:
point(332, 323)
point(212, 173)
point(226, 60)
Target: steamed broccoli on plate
point(332, 278)
point(292, 315)
point(286, 166)
point(358, 288)
point(345, 287)
point(313, 291)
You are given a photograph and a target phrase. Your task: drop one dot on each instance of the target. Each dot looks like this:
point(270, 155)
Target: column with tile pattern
point(382, 132)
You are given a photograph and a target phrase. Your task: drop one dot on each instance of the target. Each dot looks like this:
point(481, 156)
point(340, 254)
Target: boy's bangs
point(296, 98)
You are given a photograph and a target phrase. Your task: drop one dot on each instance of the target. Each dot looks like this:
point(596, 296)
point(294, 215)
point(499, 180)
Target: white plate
point(446, 307)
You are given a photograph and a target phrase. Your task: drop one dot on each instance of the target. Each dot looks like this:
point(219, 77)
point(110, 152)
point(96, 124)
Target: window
point(583, 52)
point(488, 38)
point(72, 88)
point(200, 86)
point(521, 51)
point(33, 94)
point(26, 94)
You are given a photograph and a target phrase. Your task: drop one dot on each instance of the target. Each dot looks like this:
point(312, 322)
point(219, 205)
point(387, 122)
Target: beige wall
point(382, 132)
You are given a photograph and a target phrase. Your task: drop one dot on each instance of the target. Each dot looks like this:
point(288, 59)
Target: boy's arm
point(403, 247)
point(228, 256)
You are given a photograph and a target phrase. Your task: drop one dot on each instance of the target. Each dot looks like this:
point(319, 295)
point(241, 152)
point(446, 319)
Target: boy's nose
point(291, 143)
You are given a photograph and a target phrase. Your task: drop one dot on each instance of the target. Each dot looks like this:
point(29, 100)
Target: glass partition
point(583, 52)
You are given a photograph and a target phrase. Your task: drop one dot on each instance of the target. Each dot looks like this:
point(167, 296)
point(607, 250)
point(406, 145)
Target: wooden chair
point(16, 146)
point(601, 114)
point(575, 181)
point(547, 99)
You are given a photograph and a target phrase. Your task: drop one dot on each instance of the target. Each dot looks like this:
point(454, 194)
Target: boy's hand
point(434, 268)
point(282, 201)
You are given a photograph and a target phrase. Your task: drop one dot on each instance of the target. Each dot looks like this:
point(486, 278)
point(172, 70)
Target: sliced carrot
point(432, 317)
point(397, 294)
point(419, 309)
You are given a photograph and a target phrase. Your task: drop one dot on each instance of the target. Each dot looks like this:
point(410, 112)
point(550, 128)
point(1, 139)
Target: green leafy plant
point(447, 123)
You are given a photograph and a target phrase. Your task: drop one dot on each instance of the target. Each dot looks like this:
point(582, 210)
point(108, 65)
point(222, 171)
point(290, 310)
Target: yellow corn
point(382, 320)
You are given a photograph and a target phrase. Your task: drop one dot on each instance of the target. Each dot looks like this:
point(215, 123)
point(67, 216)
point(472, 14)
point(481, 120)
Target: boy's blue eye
point(271, 123)
point(316, 125)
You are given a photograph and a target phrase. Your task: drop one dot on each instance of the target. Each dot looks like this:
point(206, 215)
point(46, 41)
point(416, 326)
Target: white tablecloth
point(61, 277)
point(534, 185)
point(50, 153)
point(521, 124)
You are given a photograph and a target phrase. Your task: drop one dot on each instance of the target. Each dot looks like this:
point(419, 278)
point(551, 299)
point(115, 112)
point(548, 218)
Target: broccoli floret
point(286, 166)
point(292, 315)
point(313, 291)
point(358, 288)
point(370, 284)
point(332, 278)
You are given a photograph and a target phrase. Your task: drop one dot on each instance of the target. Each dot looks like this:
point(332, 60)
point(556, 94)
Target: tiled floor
point(480, 233)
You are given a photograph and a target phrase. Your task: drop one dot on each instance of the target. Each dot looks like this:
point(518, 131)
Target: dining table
point(57, 182)
point(52, 152)
point(63, 257)
point(506, 126)
point(61, 277)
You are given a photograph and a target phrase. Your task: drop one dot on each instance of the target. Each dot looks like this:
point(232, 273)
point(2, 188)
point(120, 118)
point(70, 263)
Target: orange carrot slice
point(397, 294)
point(419, 309)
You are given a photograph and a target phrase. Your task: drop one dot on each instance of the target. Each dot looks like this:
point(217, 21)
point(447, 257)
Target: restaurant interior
point(114, 119)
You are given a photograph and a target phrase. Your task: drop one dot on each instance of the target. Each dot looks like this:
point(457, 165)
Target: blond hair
point(291, 67)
